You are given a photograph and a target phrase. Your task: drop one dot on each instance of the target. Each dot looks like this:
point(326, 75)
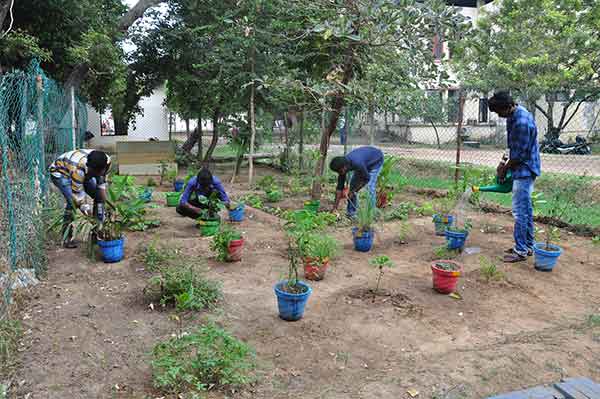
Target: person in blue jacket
point(365, 163)
point(204, 184)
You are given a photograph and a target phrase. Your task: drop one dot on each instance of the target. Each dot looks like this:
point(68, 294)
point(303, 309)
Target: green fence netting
point(36, 124)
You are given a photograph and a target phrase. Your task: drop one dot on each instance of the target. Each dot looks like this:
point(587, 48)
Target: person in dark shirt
point(204, 184)
point(365, 163)
point(525, 166)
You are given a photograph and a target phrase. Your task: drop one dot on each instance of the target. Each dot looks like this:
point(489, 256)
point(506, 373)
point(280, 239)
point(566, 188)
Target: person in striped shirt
point(77, 173)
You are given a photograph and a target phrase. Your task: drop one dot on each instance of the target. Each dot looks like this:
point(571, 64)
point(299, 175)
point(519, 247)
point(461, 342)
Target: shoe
point(511, 251)
point(70, 244)
point(514, 258)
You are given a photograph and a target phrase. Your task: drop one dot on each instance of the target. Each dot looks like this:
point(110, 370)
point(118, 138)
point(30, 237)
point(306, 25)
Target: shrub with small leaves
point(196, 362)
point(154, 255)
point(381, 262)
point(442, 252)
point(489, 270)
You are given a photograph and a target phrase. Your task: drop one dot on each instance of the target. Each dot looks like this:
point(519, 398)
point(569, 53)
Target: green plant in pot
point(385, 186)
point(381, 263)
point(456, 235)
point(366, 215)
point(442, 218)
point(209, 219)
point(292, 293)
point(227, 243)
point(317, 251)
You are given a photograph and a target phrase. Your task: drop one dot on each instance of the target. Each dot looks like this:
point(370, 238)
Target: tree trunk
point(301, 142)
point(79, 73)
point(200, 135)
point(252, 130)
point(552, 132)
point(338, 103)
point(461, 110)
point(437, 136)
point(121, 124)
point(286, 134)
point(215, 137)
point(187, 128)
point(371, 126)
point(190, 142)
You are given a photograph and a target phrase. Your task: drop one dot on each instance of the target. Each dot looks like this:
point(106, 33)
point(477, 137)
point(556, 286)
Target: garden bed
point(90, 331)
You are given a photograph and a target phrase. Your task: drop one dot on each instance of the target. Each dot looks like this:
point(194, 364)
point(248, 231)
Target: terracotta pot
point(444, 281)
point(234, 251)
point(314, 268)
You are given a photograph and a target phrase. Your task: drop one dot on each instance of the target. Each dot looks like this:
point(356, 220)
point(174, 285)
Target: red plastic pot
point(382, 199)
point(314, 268)
point(444, 281)
point(234, 251)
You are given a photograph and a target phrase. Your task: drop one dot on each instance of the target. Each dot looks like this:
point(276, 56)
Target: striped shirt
point(73, 165)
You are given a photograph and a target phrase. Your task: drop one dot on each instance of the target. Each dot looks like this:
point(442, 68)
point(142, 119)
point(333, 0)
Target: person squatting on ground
point(365, 163)
point(525, 166)
point(204, 184)
point(77, 173)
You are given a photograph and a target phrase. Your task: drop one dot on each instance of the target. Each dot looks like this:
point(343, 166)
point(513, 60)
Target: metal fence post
point(461, 109)
point(73, 121)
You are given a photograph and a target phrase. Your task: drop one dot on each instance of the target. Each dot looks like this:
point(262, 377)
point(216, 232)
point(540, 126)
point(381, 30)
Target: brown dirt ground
point(90, 332)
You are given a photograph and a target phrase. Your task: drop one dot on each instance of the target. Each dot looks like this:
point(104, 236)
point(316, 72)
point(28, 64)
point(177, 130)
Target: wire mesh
point(36, 124)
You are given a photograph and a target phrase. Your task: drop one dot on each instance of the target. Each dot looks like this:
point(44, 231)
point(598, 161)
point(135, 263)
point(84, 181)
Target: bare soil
point(90, 331)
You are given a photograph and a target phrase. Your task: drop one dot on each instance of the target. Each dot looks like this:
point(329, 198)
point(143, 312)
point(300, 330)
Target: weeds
point(252, 200)
point(208, 357)
point(593, 320)
point(404, 231)
point(442, 252)
point(153, 256)
point(400, 212)
point(10, 332)
point(489, 270)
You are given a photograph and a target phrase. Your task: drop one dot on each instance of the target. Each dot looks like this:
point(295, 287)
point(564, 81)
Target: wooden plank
point(147, 169)
point(533, 393)
point(129, 158)
point(582, 386)
point(145, 146)
point(571, 391)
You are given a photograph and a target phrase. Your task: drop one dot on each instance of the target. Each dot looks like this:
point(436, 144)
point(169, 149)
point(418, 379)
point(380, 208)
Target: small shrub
point(252, 200)
point(465, 228)
point(426, 209)
point(221, 240)
point(155, 256)
point(400, 212)
point(404, 231)
point(367, 212)
point(184, 287)
point(442, 252)
point(319, 246)
point(594, 320)
point(208, 357)
point(596, 241)
point(489, 270)
point(381, 262)
point(151, 182)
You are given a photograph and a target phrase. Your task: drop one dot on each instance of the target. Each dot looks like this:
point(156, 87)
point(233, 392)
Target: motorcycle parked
point(556, 146)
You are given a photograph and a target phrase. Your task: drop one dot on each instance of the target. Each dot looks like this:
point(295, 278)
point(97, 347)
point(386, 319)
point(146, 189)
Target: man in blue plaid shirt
point(524, 163)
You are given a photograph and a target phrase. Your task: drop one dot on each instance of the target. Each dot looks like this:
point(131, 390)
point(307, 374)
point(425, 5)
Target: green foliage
point(442, 252)
point(404, 231)
point(10, 333)
point(465, 228)
point(319, 246)
point(154, 255)
point(381, 262)
point(593, 320)
point(384, 182)
point(400, 212)
point(489, 270)
point(196, 362)
point(151, 182)
point(426, 209)
point(221, 240)
point(253, 200)
point(266, 183)
point(213, 205)
point(18, 48)
point(596, 241)
point(184, 286)
point(443, 206)
point(367, 212)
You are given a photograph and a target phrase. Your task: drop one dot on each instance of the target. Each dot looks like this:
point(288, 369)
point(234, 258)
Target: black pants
point(190, 213)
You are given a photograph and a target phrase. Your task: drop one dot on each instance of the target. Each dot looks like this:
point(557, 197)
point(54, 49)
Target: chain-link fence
point(37, 122)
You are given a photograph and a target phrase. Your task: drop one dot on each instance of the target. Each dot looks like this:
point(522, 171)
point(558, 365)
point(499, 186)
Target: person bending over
point(204, 184)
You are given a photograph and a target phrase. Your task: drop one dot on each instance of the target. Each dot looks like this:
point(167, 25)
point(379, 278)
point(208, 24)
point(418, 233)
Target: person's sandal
point(514, 258)
point(70, 244)
point(511, 251)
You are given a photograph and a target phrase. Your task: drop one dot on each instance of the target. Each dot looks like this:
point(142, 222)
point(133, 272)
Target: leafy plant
point(221, 241)
point(267, 183)
point(465, 228)
point(10, 332)
point(171, 176)
point(154, 255)
point(426, 209)
point(208, 357)
point(404, 231)
point(381, 262)
point(489, 270)
point(319, 247)
point(442, 252)
point(593, 320)
point(400, 212)
point(183, 286)
point(366, 213)
point(163, 170)
point(212, 206)
point(596, 241)
point(253, 200)
point(443, 206)
point(384, 182)
point(448, 266)
point(151, 182)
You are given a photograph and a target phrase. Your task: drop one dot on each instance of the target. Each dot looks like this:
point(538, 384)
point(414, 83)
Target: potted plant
point(546, 253)
point(178, 185)
point(228, 243)
point(292, 294)
point(317, 251)
point(108, 234)
point(173, 198)
point(442, 218)
point(312, 206)
point(381, 262)
point(385, 188)
point(237, 212)
point(445, 275)
point(365, 218)
point(457, 235)
point(209, 220)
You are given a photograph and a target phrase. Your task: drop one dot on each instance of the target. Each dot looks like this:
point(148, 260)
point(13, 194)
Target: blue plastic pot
point(545, 260)
point(237, 214)
point(363, 241)
point(146, 195)
point(112, 251)
point(456, 239)
point(291, 306)
point(178, 185)
point(442, 222)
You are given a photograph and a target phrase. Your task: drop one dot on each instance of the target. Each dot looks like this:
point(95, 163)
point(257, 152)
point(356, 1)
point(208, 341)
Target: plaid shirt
point(523, 143)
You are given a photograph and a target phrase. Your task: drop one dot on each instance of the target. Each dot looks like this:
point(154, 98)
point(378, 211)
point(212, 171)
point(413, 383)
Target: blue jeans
point(522, 209)
point(64, 185)
point(371, 186)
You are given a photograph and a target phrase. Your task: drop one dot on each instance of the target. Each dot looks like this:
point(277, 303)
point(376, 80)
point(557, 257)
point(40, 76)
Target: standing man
point(204, 184)
point(525, 166)
point(75, 174)
point(365, 163)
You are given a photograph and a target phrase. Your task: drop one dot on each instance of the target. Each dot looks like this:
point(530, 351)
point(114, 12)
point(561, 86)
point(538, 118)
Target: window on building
point(452, 106)
point(483, 110)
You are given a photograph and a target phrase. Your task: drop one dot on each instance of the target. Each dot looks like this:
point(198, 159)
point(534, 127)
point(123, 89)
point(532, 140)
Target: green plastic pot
point(312, 206)
point(208, 227)
point(274, 196)
point(173, 199)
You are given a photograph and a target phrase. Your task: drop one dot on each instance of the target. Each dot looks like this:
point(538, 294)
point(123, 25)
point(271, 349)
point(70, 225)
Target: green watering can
point(504, 187)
